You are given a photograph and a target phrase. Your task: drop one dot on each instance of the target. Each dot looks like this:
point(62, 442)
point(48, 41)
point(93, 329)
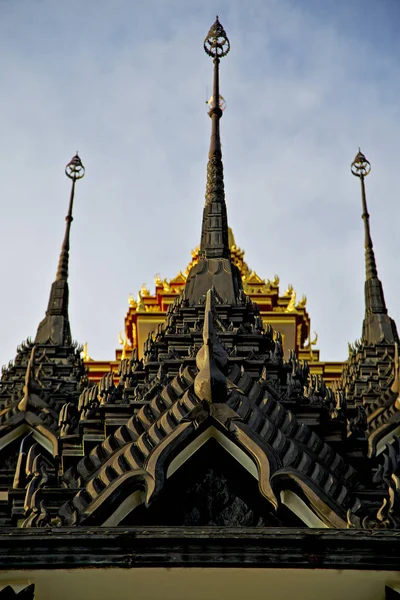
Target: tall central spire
point(55, 326)
point(377, 325)
point(214, 234)
point(215, 268)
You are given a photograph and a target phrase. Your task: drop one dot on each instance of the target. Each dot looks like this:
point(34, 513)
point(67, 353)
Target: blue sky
point(125, 83)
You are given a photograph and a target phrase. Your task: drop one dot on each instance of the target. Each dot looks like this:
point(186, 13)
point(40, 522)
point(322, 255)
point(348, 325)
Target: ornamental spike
point(55, 327)
point(214, 235)
point(75, 171)
point(377, 325)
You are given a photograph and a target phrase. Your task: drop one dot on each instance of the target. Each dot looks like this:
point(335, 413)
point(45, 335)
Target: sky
point(125, 83)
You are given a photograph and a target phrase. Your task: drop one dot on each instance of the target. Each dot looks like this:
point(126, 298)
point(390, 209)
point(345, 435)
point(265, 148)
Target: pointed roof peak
point(215, 266)
point(214, 235)
point(377, 326)
point(210, 383)
point(55, 326)
point(23, 405)
point(360, 158)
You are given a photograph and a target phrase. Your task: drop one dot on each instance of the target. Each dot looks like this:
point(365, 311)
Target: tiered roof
point(282, 311)
point(45, 374)
point(213, 424)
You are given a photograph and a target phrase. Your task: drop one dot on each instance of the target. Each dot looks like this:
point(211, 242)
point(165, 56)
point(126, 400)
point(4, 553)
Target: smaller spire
point(377, 326)
point(55, 327)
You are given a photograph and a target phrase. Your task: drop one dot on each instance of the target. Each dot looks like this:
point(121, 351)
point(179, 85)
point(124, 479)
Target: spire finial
point(75, 171)
point(361, 167)
point(214, 235)
point(377, 325)
point(55, 326)
point(215, 268)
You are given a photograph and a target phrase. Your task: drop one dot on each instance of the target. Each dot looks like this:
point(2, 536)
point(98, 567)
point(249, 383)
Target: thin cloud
point(125, 84)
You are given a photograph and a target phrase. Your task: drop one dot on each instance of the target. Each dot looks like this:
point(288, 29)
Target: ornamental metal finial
point(217, 43)
point(75, 169)
point(360, 167)
point(221, 103)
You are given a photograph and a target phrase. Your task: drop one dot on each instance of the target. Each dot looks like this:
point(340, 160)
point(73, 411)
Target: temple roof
point(46, 372)
point(215, 390)
point(212, 400)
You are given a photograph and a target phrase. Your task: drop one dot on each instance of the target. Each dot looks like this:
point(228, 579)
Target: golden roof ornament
point(85, 352)
point(291, 307)
point(166, 286)
point(125, 343)
point(312, 342)
point(289, 290)
point(302, 303)
point(140, 304)
point(132, 302)
point(144, 291)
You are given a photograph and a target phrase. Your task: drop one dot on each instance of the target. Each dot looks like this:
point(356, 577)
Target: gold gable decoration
point(282, 312)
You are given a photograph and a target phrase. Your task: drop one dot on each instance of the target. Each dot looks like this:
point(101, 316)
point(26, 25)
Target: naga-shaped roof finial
point(210, 383)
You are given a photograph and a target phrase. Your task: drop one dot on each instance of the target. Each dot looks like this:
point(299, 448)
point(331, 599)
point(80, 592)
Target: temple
point(218, 439)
